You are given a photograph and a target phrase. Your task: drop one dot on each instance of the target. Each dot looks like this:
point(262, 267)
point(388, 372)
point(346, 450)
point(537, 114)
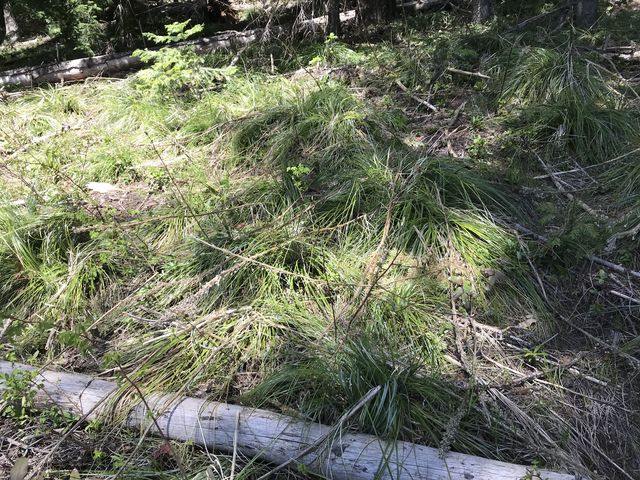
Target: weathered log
point(425, 5)
point(272, 437)
point(322, 20)
point(104, 65)
point(82, 68)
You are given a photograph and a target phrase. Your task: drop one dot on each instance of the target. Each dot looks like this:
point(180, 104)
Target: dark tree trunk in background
point(217, 10)
point(585, 13)
point(3, 25)
point(8, 24)
point(333, 17)
point(483, 10)
point(376, 11)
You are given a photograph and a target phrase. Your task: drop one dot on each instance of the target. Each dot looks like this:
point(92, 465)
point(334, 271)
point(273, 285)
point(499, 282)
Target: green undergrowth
point(274, 239)
point(571, 102)
point(322, 386)
point(286, 215)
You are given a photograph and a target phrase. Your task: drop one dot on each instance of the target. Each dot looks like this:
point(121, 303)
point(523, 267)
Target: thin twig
point(535, 18)
point(186, 204)
point(600, 261)
point(17, 443)
point(626, 297)
point(574, 170)
point(569, 195)
point(256, 262)
point(448, 132)
point(468, 73)
point(416, 98)
point(569, 367)
point(630, 359)
point(593, 445)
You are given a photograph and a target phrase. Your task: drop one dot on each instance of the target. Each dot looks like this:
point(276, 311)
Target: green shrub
point(334, 53)
point(176, 69)
point(81, 26)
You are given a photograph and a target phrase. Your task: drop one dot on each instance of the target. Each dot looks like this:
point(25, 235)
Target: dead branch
point(468, 74)
point(625, 297)
point(415, 97)
point(590, 210)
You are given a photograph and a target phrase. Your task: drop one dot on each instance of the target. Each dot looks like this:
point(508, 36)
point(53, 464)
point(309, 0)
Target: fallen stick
point(424, 5)
point(273, 437)
point(321, 21)
point(600, 261)
point(590, 210)
point(415, 97)
point(614, 266)
point(82, 68)
point(468, 73)
point(448, 132)
point(625, 297)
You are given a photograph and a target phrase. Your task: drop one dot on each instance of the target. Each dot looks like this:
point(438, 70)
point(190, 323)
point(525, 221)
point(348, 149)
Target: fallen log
point(424, 5)
point(272, 437)
point(321, 21)
point(82, 68)
point(102, 65)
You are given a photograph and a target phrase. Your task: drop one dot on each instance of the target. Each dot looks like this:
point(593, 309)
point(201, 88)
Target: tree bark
point(10, 24)
point(3, 23)
point(333, 17)
point(483, 10)
point(272, 437)
point(376, 11)
point(585, 13)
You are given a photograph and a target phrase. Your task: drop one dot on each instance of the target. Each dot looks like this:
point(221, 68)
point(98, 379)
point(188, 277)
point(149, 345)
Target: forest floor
point(293, 224)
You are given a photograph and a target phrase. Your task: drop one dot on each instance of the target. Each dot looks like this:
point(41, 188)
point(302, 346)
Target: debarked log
point(272, 437)
point(104, 65)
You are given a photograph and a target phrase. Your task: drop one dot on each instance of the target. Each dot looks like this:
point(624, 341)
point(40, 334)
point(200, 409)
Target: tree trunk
point(272, 437)
point(483, 10)
point(11, 26)
point(333, 17)
point(3, 23)
point(376, 11)
point(585, 13)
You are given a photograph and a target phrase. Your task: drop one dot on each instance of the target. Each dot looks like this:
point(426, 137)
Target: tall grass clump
point(225, 350)
point(323, 129)
point(565, 98)
point(341, 159)
point(414, 403)
point(48, 272)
